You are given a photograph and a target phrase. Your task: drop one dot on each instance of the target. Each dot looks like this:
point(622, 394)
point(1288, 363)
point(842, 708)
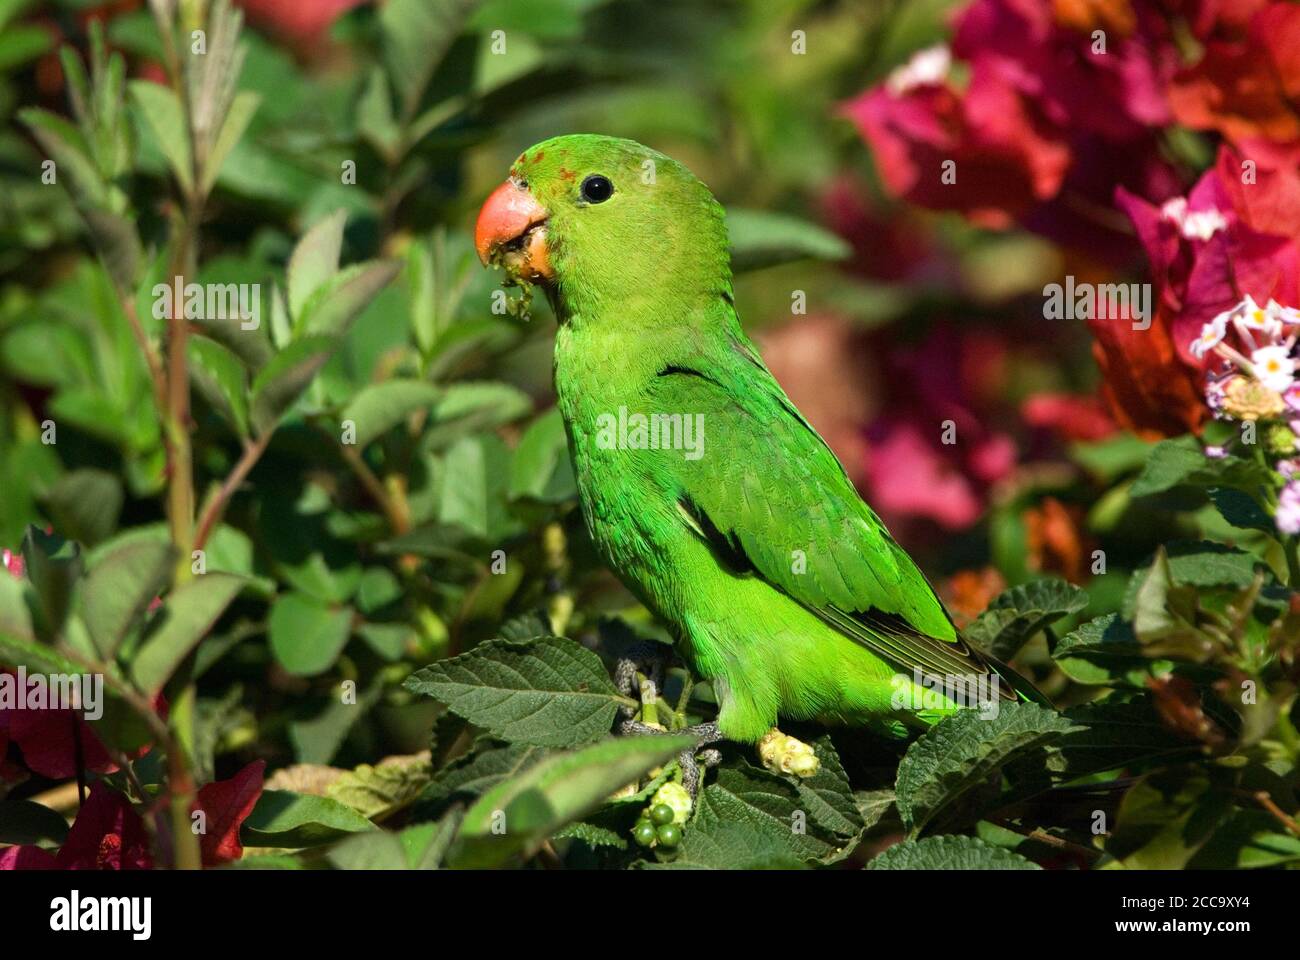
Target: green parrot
point(701, 484)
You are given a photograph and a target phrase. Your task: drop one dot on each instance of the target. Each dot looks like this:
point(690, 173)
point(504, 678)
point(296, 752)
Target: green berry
point(644, 833)
point(661, 814)
point(669, 834)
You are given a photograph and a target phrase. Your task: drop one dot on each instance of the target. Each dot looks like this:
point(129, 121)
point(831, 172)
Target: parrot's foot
point(782, 753)
point(651, 661)
point(693, 763)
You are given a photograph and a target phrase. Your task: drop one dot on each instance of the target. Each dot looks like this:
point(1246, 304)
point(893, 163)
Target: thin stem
point(1264, 800)
point(398, 518)
point(216, 505)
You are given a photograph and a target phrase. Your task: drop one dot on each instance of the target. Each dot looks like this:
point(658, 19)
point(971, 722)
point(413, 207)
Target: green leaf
point(70, 153)
point(554, 792)
point(469, 776)
point(53, 566)
point(729, 846)
point(378, 408)
point(963, 751)
point(307, 635)
point(541, 468)
point(285, 819)
point(477, 502)
point(766, 805)
point(760, 238)
point(417, 35)
point(380, 790)
point(827, 794)
point(1105, 652)
point(472, 406)
point(222, 379)
point(25, 822)
point(284, 379)
point(185, 618)
point(85, 504)
point(949, 853)
point(165, 119)
point(1182, 463)
point(592, 835)
point(340, 300)
point(119, 587)
point(315, 260)
point(551, 692)
point(1242, 510)
point(240, 114)
point(36, 657)
point(1016, 615)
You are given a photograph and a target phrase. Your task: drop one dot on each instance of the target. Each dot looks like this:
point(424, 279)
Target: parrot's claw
point(693, 764)
point(651, 661)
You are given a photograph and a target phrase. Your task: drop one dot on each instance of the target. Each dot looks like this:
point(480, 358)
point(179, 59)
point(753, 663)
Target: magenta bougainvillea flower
point(1048, 113)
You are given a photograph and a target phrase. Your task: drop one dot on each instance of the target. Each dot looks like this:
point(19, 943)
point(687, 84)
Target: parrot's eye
point(596, 189)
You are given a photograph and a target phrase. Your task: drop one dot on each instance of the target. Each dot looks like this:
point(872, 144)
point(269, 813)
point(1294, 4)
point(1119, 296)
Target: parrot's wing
point(769, 496)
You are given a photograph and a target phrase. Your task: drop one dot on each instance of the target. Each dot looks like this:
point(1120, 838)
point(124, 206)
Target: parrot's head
point(603, 221)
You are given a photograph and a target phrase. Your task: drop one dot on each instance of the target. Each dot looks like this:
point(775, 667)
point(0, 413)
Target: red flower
point(226, 804)
point(1248, 83)
point(46, 739)
point(107, 835)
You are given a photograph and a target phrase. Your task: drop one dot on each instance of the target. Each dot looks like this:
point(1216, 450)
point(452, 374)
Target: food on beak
point(511, 230)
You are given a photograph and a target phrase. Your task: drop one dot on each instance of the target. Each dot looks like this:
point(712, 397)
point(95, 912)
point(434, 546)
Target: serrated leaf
point(827, 795)
point(1182, 463)
point(728, 846)
point(185, 618)
point(469, 776)
point(379, 407)
point(592, 835)
point(551, 691)
point(964, 750)
point(118, 589)
point(949, 853)
point(378, 791)
point(765, 804)
point(554, 792)
point(1016, 615)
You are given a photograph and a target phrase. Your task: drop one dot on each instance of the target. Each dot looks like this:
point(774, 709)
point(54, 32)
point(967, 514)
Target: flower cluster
point(1255, 381)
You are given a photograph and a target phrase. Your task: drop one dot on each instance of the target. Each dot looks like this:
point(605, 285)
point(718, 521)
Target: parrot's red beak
point(512, 229)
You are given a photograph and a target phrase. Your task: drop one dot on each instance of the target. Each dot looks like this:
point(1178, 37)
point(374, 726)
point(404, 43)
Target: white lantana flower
point(1212, 335)
point(1274, 367)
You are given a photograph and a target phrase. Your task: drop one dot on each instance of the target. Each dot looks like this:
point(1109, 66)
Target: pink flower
point(1288, 508)
point(12, 561)
point(1046, 114)
point(1202, 274)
